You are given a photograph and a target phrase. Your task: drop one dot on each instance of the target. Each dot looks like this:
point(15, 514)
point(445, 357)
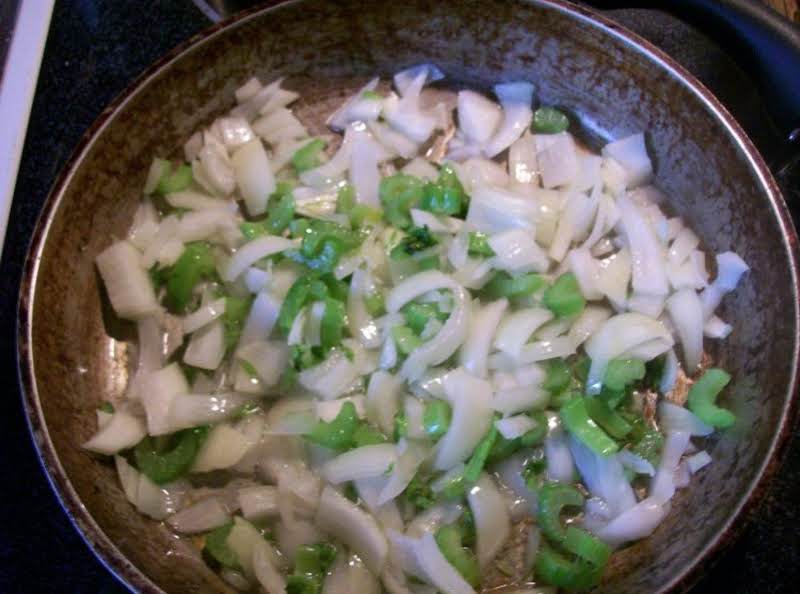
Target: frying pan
point(73, 353)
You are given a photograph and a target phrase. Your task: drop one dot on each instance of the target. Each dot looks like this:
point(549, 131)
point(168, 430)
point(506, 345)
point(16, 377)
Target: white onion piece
point(587, 323)
point(359, 463)
point(686, 312)
point(405, 114)
point(392, 140)
point(191, 410)
point(560, 466)
point(343, 116)
point(223, 448)
point(518, 327)
point(649, 272)
point(698, 461)
point(121, 431)
point(516, 99)
point(478, 117)
point(493, 210)
point(202, 516)
point(677, 419)
point(410, 456)
point(261, 319)
point(352, 526)
point(331, 378)
point(364, 175)
point(253, 176)
point(258, 503)
point(631, 154)
point(255, 250)
point(383, 400)
point(557, 157)
point(445, 343)
point(578, 209)
point(520, 398)
point(635, 523)
point(663, 486)
point(492, 521)
point(517, 252)
point(206, 347)
point(604, 477)
point(542, 350)
point(203, 315)
point(516, 426)
point(471, 400)
point(126, 281)
point(158, 390)
point(636, 463)
point(265, 568)
point(475, 349)
point(421, 168)
point(716, 328)
point(730, 268)
point(618, 335)
point(437, 570)
point(197, 201)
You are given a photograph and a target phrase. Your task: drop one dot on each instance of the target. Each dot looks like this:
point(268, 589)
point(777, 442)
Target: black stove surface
point(94, 49)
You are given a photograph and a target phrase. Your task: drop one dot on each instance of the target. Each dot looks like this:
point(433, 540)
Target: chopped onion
point(352, 526)
point(364, 462)
point(383, 396)
point(126, 281)
point(492, 520)
point(517, 252)
point(636, 522)
point(202, 516)
point(255, 250)
point(258, 503)
point(471, 400)
point(631, 154)
point(121, 431)
point(475, 350)
point(677, 419)
point(516, 99)
point(604, 477)
point(518, 327)
point(206, 348)
point(686, 312)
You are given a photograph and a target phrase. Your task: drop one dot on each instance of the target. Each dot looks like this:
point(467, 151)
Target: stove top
point(94, 49)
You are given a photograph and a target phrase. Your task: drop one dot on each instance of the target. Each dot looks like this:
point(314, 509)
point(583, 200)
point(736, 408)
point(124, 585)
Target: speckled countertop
point(94, 49)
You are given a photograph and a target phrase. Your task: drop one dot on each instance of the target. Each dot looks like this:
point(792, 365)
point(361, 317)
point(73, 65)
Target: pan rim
point(104, 548)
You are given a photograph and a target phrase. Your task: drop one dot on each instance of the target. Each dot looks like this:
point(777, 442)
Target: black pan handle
point(763, 42)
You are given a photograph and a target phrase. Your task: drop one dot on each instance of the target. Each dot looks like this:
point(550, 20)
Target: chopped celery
point(164, 466)
point(436, 418)
point(577, 421)
point(418, 239)
point(332, 323)
point(195, 264)
point(216, 545)
point(479, 245)
point(702, 396)
point(308, 156)
point(236, 310)
point(621, 372)
point(407, 342)
point(375, 303)
point(176, 181)
point(477, 461)
point(338, 433)
point(463, 559)
point(548, 120)
point(399, 193)
point(504, 285)
point(564, 298)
